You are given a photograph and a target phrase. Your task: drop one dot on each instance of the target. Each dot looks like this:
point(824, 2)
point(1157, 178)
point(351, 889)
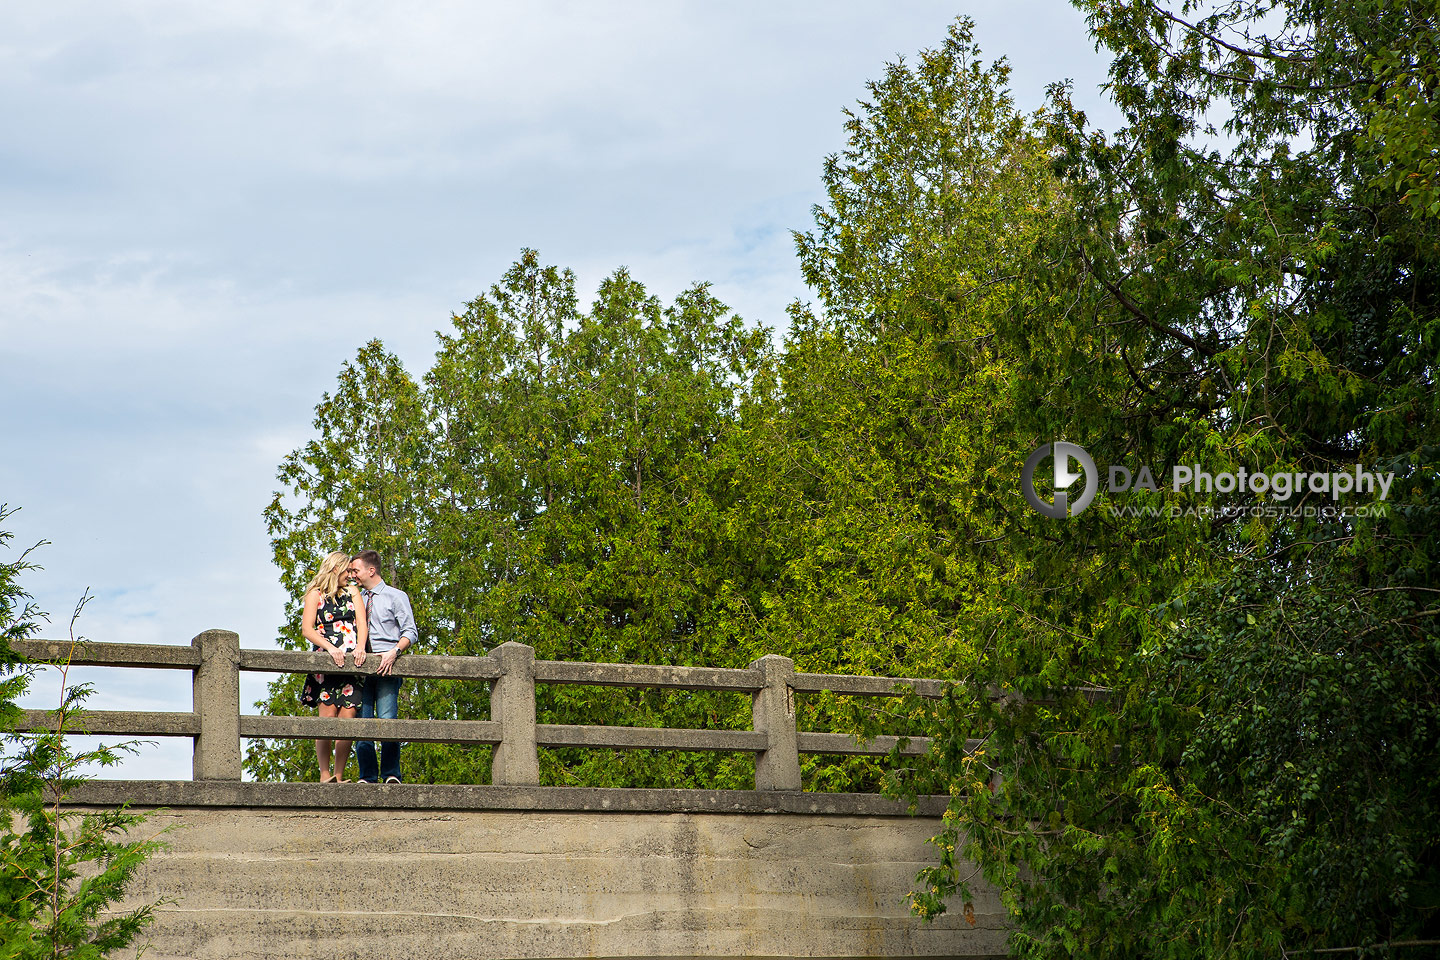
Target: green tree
point(361, 483)
point(586, 455)
point(1262, 777)
point(61, 872)
point(912, 400)
point(20, 619)
point(566, 490)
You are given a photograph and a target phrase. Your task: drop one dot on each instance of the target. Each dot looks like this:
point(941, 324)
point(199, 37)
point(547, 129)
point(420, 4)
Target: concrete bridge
point(511, 868)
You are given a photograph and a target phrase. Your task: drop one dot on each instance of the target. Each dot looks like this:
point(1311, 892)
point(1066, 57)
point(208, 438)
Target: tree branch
point(1141, 315)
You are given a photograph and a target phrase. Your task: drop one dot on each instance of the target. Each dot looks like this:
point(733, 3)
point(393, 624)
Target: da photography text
point(1192, 478)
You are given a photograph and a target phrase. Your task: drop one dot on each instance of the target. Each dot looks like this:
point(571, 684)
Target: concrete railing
point(217, 726)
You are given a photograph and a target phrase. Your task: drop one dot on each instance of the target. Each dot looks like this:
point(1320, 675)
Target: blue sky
point(208, 207)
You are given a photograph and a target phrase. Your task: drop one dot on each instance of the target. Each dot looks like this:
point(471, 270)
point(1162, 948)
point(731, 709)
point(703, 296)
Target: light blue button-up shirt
point(391, 619)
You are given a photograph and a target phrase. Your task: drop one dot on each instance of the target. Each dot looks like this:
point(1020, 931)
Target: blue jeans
point(380, 698)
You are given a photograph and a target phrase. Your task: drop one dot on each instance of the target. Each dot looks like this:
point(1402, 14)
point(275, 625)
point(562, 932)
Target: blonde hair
point(330, 581)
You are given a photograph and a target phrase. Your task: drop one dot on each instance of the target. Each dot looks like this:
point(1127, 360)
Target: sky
point(206, 208)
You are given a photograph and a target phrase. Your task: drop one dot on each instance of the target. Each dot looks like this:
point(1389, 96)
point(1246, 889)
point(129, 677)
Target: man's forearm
point(405, 621)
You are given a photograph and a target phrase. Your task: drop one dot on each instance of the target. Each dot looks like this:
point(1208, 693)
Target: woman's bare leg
point(323, 748)
point(342, 747)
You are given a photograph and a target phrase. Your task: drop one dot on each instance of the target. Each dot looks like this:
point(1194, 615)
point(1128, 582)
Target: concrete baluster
point(773, 712)
point(217, 704)
point(512, 703)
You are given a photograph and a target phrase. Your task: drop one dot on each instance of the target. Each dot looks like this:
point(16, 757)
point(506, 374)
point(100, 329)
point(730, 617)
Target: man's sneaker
point(392, 779)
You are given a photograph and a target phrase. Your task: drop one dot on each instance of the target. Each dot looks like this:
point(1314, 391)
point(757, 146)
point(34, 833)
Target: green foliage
point(1333, 761)
point(1262, 777)
point(903, 420)
point(1402, 106)
point(20, 619)
point(61, 872)
point(559, 479)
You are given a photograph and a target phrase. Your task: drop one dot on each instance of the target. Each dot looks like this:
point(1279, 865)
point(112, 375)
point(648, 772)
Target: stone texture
point(409, 665)
point(410, 731)
point(135, 723)
point(329, 882)
point(665, 738)
point(89, 653)
point(773, 714)
point(512, 704)
point(217, 704)
point(432, 797)
point(647, 675)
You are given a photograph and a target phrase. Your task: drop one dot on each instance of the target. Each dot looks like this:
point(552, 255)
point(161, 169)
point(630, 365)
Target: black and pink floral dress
point(335, 620)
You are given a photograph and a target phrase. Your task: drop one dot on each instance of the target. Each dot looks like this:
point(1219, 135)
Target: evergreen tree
point(558, 478)
point(61, 872)
point(1262, 777)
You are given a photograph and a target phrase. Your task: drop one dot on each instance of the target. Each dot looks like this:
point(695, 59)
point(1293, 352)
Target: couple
point(349, 609)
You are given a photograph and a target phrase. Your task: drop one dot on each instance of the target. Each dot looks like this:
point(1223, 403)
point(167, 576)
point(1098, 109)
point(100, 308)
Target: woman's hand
point(338, 655)
point(359, 656)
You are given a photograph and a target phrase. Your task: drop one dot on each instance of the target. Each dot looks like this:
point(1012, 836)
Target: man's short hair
point(370, 558)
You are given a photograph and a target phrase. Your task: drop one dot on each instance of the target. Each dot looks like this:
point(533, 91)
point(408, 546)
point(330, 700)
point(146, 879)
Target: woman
point(333, 621)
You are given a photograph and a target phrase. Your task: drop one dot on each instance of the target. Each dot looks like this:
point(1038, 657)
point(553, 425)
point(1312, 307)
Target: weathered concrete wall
point(312, 871)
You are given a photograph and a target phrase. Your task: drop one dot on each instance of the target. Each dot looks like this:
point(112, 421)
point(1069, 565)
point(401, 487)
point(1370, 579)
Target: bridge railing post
point(773, 714)
point(217, 706)
point(512, 702)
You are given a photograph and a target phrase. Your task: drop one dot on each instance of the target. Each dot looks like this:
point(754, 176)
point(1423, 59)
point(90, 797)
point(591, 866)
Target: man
point(392, 632)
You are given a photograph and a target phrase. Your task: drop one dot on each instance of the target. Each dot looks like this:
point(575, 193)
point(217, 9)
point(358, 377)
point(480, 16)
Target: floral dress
point(335, 620)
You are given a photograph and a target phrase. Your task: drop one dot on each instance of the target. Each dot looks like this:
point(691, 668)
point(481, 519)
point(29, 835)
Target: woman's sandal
point(331, 780)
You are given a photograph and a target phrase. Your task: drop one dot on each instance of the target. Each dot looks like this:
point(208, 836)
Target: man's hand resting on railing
point(387, 660)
